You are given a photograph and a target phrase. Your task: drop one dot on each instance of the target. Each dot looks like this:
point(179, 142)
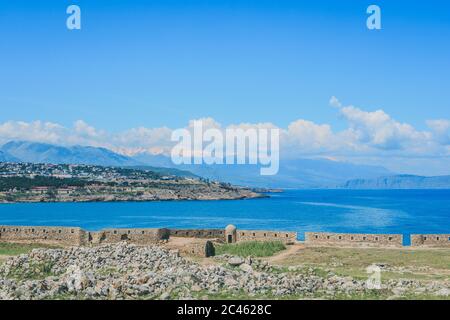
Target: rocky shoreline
point(25, 182)
point(199, 192)
point(125, 271)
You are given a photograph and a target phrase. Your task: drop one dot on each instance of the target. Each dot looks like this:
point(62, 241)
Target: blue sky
point(165, 62)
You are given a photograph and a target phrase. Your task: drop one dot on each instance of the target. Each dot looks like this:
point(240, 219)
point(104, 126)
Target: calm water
point(362, 211)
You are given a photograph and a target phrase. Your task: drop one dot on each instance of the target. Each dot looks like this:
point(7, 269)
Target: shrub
point(251, 248)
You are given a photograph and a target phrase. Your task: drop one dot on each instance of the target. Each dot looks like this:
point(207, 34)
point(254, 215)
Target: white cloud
point(378, 130)
point(334, 102)
point(441, 130)
point(154, 140)
point(369, 134)
point(85, 130)
point(308, 136)
point(33, 131)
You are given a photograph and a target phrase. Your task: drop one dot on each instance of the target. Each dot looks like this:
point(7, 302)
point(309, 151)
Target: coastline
point(117, 200)
point(26, 182)
point(293, 210)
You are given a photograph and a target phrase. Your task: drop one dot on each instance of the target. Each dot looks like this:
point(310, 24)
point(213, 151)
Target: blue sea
point(353, 211)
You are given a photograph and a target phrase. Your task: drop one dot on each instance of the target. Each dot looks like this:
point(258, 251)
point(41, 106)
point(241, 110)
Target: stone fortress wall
point(71, 236)
point(137, 236)
point(353, 239)
point(198, 233)
point(430, 240)
point(74, 236)
point(258, 235)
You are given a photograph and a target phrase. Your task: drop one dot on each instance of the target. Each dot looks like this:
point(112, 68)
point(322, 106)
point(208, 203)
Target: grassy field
point(14, 249)
point(251, 248)
point(427, 264)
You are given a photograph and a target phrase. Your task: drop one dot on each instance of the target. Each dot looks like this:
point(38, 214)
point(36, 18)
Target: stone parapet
point(353, 239)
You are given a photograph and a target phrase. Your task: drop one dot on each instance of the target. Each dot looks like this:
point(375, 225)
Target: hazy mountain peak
point(293, 173)
point(6, 157)
point(402, 181)
point(37, 152)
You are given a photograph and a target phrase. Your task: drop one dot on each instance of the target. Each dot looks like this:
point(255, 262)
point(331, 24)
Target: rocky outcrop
point(124, 271)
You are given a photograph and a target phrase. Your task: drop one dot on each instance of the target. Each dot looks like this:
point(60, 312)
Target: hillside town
point(26, 182)
point(88, 172)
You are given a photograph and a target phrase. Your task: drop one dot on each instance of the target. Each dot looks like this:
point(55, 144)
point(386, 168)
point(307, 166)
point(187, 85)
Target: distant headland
point(26, 182)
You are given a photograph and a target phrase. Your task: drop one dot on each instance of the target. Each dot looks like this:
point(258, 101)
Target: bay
point(352, 211)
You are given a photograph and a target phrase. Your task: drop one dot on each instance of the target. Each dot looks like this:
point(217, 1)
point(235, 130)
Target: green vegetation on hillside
point(24, 183)
point(251, 248)
point(165, 171)
point(14, 249)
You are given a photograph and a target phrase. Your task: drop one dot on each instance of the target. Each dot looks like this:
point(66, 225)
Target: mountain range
point(33, 152)
point(47, 153)
point(293, 173)
point(6, 157)
point(298, 173)
point(403, 181)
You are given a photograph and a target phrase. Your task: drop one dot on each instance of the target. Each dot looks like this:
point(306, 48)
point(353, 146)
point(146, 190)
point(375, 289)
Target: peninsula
point(26, 182)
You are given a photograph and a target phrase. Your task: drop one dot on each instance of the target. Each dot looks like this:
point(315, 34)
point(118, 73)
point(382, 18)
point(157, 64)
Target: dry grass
point(399, 263)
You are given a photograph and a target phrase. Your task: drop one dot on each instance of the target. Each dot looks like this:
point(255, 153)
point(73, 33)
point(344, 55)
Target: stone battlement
point(258, 235)
point(350, 239)
point(198, 233)
point(430, 240)
point(71, 236)
point(137, 236)
point(74, 236)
